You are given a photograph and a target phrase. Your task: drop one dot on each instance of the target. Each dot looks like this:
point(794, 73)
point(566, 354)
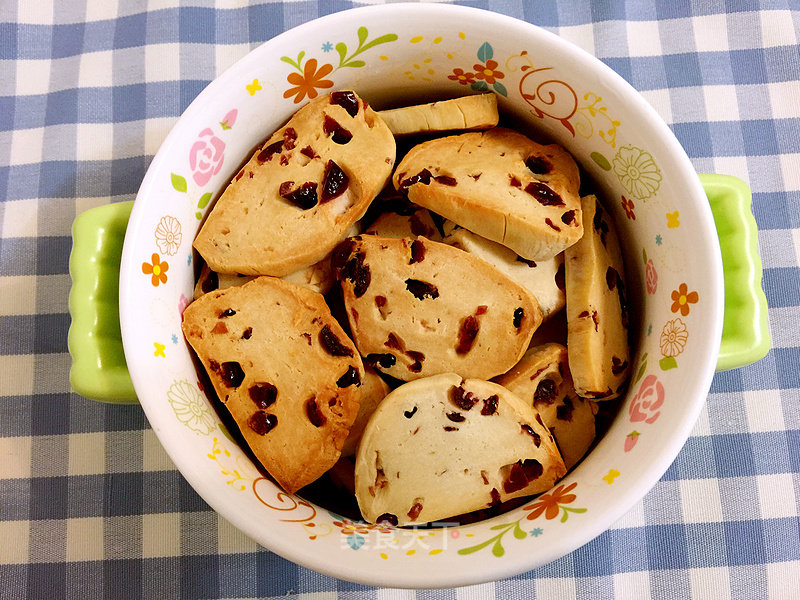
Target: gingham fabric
point(91, 506)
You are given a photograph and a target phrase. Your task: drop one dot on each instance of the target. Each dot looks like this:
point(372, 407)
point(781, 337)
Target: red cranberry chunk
point(347, 100)
point(350, 377)
point(423, 177)
point(495, 497)
point(380, 301)
point(422, 289)
point(552, 225)
point(417, 252)
point(446, 180)
point(304, 196)
point(456, 417)
point(385, 361)
point(417, 357)
point(247, 333)
point(220, 327)
point(387, 519)
point(467, 332)
point(262, 423)
point(514, 181)
point(618, 365)
point(267, 153)
point(232, 374)
point(515, 479)
point(611, 278)
point(289, 138)
point(490, 405)
point(461, 398)
point(263, 394)
point(334, 183)
point(568, 217)
point(309, 152)
point(481, 310)
point(210, 283)
point(338, 134)
point(228, 312)
point(538, 165)
point(564, 411)
point(353, 269)
point(560, 279)
point(314, 414)
point(340, 255)
point(414, 511)
point(332, 343)
point(537, 439)
point(543, 194)
point(545, 392)
point(449, 428)
point(393, 342)
point(519, 314)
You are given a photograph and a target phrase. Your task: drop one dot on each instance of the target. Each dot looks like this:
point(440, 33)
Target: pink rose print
point(647, 401)
point(206, 156)
point(183, 302)
point(652, 277)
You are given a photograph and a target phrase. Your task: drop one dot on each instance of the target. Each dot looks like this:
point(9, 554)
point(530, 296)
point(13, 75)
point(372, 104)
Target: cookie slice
point(468, 112)
point(299, 193)
point(597, 315)
point(316, 277)
point(285, 370)
point(542, 378)
point(500, 185)
point(418, 308)
point(373, 390)
point(400, 225)
point(443, 446)
point(543, 278)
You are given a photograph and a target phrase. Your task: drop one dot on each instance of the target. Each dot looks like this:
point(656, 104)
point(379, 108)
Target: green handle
point(745, 329)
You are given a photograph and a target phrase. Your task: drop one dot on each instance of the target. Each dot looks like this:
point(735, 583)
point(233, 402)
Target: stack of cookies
point(448, 359)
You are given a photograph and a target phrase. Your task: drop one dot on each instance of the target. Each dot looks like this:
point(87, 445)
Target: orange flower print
point(682, 298)
point(488, 71)
point(461, 77)
point(549, 504)
point(307, 83)
point(627, 206)
point(157, 269)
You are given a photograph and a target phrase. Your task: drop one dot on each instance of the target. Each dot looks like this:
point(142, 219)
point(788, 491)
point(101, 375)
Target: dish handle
point(99, 371)
point(745, 329)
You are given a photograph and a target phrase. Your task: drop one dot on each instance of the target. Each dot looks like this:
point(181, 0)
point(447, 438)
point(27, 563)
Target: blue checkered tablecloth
point(91, 506)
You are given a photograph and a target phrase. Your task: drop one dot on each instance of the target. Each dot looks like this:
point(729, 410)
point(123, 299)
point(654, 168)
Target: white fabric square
point(19, 294)
point(722, 102)
point(784, 99)
point(700, 501)
point(16, 537)
point(702, 426)
point(643, 38)
point(161, 535)
point(710, 33)
point(101, 11)
point(16, 374)
point(556, 587)
point(710, 583)
point(20, 220)
point(227, 54)
point(790, 166)
point(484, 591)
point(783, 580)
point(33, 77)
point(732, 165)
point(785, 337)
point(155, 131)
point(26, 146)
point(661, 101)
point(764, 410)
point(95, 141)
point(87, 453)
point(632, 586)
point(777, 28)
point(96, 69)
point(162, 62)
point(796, 242)
point(154, 457)
point(773, 243)
point(232, 541)
point(15, 458)
point(85, 539)
point(39, 12)
point(580, 35)
point(776, 496)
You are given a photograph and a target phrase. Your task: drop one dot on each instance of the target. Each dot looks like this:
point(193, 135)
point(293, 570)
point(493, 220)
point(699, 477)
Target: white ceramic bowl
point(392, 54)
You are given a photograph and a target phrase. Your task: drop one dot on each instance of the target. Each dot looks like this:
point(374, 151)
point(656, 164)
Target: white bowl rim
point(511, 564)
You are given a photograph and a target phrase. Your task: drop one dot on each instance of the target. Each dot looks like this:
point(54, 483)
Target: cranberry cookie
point(468, 112)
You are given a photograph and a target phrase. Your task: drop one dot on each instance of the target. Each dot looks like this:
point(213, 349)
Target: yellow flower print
point(673, 220)
point(157, 269)
point(637, 172)
point(252, 88)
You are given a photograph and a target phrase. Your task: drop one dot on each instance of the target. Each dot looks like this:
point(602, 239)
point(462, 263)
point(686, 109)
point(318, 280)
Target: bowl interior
point(392, 55)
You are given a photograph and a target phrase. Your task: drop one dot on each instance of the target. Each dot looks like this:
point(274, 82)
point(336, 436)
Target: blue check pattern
point(91, 507)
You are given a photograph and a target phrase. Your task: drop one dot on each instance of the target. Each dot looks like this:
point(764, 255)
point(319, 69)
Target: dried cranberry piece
point(314, 414)
point(446, 180)
point(228, 312)
point(247, 333)
point(239, 175)
point(332, 344)
point(490, 405)
point(519, 314)
point(268, 152)
point(380, 301)
point(467, 332)
point(304, 196)
point(543, 194)
point(422, 289)
point(551, 225)
point(449, 428)
point(210, 283)
point(418, 358)
point(409, 413)
point(347, 100)
point(385, 361)
point(423, 177)
point(232, 374)
point(564, 411)
point(461, 398)
point(289, 138)
point(596, 320)
point(418, 227)
point(309, 152)
point(393, 342)
point(414, 511)
point(545, 392)
point(532, 468)
point(350, 377)
point(387, 519)
point(456, 417)
point(481, 310)
point(213, 365)
point(417, 252)
point(338, 134)
point(521, 473)
point(568, 217)
point(537, 439)
point(584, 314)
point(495, 497)
point(263, 394)
point(262, 423)
point(560, 280)
point(618, 365)
point(220, 327)
point(538, 165)
point(611, 278)
point(514, 181)
point(334, 182)
point(600, 226)
point(530, 263)
point(351, 267)
point(341, 253)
